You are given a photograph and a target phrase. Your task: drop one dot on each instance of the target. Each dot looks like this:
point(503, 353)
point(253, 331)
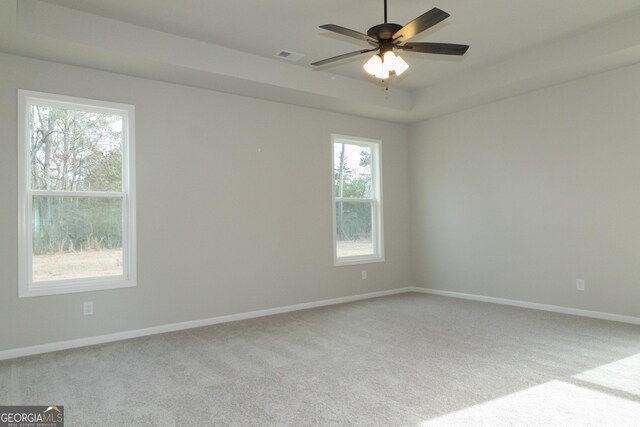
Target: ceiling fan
point(386, 37)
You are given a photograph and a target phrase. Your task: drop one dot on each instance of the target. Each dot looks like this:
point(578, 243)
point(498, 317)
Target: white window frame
point(26, 286)
point(377, 227)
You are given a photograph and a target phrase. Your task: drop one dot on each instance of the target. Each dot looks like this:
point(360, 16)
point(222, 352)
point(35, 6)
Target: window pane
point(353, 229)
point(352, 170)
point(73, 150)
point(76, 237)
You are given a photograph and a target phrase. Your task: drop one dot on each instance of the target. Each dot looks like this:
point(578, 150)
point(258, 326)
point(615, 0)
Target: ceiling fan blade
point(437, 48)
point(343, 56)
point(421, 23)
point(347, 32)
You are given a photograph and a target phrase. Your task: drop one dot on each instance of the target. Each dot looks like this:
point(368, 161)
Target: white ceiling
point(516, 46)
point(495, 29)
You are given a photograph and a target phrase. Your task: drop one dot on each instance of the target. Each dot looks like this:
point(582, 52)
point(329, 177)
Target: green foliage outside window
point(352, 180)
point(75, 151)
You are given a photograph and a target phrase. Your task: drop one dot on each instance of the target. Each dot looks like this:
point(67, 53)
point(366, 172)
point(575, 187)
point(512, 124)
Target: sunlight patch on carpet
point(622, 375)
point(547, 404)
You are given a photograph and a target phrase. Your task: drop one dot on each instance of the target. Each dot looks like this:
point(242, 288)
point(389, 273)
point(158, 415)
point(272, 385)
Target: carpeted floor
point(410, 359)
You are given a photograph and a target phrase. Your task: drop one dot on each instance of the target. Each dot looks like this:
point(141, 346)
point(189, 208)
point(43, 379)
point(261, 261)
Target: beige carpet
point(410, 359)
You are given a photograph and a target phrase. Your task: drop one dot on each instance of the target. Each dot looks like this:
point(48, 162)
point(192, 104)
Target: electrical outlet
point(580, 284)
point(364, 274)
point(87, 308)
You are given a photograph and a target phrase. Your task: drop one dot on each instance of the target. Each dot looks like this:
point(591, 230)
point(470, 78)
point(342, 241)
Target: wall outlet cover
point(87, 308)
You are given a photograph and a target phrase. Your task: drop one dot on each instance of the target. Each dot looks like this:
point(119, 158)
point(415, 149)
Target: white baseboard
point(101, 339)
point(118, 336)
point(533, 305)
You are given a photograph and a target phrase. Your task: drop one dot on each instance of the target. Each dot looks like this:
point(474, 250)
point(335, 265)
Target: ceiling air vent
point(288, 55)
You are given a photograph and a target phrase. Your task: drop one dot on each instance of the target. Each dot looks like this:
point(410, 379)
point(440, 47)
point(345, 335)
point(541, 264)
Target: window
point(357, 200)
point(76, 191)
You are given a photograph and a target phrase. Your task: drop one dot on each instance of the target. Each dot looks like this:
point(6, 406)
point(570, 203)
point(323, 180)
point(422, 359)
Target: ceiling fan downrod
point(385, 11)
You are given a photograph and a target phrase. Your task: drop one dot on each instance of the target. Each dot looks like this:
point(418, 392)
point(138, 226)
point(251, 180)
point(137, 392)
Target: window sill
point(74, 286)
point(356, 261)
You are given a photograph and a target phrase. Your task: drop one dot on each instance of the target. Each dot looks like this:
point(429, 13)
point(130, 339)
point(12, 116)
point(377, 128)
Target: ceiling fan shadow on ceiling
point(388, 36)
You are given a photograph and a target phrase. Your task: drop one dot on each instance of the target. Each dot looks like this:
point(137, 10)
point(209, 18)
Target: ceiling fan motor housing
point(384, 32)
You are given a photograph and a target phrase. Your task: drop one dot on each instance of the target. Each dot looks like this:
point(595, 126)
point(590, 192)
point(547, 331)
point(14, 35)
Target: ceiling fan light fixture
point(401, 65)
point(382, 67)
point(389, 61)
point(374, 65)
point(382, 74)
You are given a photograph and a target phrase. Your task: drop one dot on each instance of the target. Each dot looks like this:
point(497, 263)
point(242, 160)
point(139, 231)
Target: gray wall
point(233, 214)
point(519, 198)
